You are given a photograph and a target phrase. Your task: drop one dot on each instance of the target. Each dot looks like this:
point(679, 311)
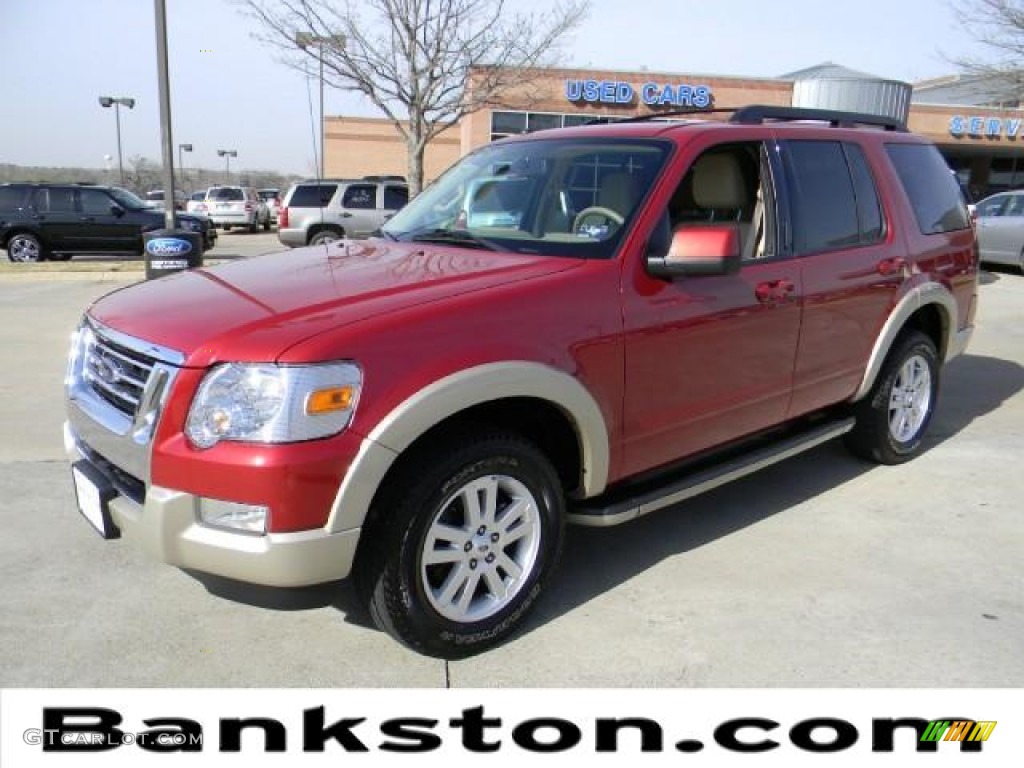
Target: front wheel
point(893, 418)
point(25, 247)
point(461, 547)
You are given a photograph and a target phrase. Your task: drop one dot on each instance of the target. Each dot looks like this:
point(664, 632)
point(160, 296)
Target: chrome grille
point(116, 374)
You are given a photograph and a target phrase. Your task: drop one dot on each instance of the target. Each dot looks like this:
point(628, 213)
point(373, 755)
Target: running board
point(677, 489)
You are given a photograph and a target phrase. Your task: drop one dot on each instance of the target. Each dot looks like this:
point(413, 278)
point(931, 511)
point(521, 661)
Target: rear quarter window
point(932, 190)
point(312, 195)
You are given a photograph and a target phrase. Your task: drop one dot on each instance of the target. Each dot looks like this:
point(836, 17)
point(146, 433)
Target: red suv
point(574, 326)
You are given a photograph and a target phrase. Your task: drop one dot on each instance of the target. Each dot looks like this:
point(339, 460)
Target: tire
point(254, 225)
point(893, 418)
point(325, 236)
point(24, 247)
point(227, 227)
point(266, 225)
point(507, 558)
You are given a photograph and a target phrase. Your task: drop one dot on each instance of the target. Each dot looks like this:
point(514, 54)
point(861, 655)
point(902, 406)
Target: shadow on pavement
point(596, 560)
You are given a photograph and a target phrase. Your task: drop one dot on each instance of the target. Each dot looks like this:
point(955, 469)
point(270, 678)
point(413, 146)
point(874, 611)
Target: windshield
point(126, 199)
point(570, 197)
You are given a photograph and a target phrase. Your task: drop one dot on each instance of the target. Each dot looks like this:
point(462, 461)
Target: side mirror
point(699, 250)
point(116, 209)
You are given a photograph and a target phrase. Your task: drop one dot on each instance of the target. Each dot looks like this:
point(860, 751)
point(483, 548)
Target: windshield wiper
point(453, 237)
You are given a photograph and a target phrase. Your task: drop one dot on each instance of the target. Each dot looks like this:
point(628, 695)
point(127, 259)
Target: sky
point(231, 91)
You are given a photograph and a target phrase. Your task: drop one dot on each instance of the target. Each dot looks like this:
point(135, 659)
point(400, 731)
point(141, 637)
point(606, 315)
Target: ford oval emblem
point(168, 246)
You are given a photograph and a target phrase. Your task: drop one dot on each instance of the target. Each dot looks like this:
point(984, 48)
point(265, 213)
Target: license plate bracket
point(93, 493)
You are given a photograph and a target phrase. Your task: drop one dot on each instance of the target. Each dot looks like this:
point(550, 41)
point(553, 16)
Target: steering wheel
point(596, 211)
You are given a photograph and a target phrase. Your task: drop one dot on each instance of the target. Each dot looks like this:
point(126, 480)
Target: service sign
point(984, 127)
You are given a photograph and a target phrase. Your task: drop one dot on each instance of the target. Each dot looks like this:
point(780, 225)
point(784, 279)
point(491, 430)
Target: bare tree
point(998, 25)
point(413, 59)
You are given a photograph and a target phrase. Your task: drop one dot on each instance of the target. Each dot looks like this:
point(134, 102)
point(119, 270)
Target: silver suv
point(329, 209)
point(231, 207)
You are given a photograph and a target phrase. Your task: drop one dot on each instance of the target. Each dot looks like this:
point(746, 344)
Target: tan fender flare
point(921, 296)
point(455, 393)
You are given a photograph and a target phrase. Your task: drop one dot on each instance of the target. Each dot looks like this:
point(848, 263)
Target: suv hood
point(254, 309)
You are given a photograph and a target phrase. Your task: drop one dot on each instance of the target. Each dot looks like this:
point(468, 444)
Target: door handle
point(88, 218)
point(773, 290)
point(887, 267)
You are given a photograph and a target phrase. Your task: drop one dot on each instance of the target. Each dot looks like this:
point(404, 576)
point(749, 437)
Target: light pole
point(304, 40)
point(117, 101)
point(181, 165)
point(227, 154)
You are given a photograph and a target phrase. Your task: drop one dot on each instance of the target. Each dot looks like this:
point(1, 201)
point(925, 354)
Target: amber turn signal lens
point(330, 400)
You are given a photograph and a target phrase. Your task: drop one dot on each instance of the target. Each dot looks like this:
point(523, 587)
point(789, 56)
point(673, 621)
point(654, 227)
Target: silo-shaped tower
point(830, 86)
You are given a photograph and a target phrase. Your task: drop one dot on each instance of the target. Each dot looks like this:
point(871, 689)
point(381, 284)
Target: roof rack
point(756, 114)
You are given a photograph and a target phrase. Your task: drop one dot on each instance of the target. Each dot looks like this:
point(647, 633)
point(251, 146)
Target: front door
point(103, 230)
point(709, 359)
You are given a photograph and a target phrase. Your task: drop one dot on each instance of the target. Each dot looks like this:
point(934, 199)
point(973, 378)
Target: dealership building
point(977, 129)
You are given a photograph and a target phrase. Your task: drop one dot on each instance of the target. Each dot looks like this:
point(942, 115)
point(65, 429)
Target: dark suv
point(55, 221)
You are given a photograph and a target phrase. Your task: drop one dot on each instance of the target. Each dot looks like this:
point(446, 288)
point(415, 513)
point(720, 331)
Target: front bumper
point(166, 524)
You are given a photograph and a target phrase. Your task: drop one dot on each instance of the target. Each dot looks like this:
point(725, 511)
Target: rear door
point(360, 212)
point(852, 265)
point(59, 221)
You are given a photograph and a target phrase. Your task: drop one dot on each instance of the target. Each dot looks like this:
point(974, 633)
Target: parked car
point(237, 207)
point(272, 198)
point(653, 310)
point(321, 210)
point(196, 203)
point(155, 199)
point(55, 221)
point(1000, 222)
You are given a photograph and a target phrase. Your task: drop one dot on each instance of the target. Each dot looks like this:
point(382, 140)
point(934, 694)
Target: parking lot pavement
point(820, 571)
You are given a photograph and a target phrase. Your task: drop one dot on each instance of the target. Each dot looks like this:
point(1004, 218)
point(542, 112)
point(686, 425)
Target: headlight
point(265, 403)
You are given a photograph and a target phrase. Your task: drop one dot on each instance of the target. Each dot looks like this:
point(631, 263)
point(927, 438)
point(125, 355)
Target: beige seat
point(617, 192)
point(720, 184)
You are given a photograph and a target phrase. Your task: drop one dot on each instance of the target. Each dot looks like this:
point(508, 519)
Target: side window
point(312, 195)
point(94, 202)
point(823, 201)
point(395, 197)
point(360, 196)
point(1015, 206)
point(869, 209)
point(932, 189)
point(993, 206)
point(729, 184)
point(55, 200)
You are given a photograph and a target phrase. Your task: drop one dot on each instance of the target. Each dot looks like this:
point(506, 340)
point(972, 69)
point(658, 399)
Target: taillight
point(248, 207)
point(282, 218)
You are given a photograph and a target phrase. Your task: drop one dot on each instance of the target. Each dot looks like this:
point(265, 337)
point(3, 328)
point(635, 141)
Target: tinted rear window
point(227, 194)
point(312, 195)
point(824, 201)
point(931, 188)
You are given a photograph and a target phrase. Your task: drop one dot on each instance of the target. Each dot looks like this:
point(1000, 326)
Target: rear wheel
point(461, 544)
point(893, 418)
point(227, 227)
point(25, 247)
point(325, 236)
